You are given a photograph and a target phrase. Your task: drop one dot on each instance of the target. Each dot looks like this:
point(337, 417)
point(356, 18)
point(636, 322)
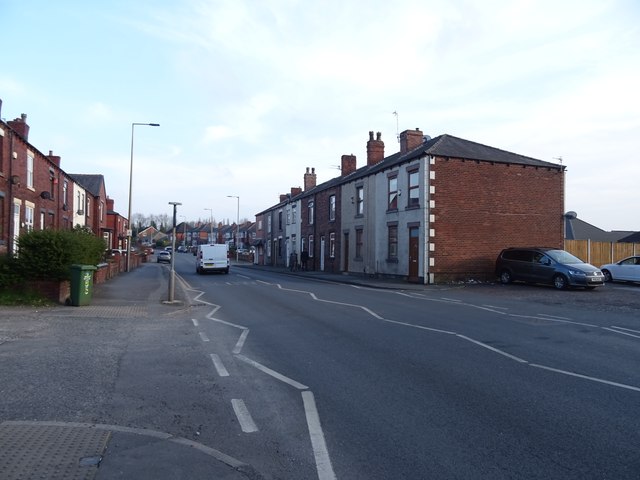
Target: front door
point(414, 254)
point(322, 253)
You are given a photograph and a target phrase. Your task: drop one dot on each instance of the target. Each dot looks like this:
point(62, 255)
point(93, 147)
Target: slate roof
point(90, 182)
point(442, 146)
point(576, 229)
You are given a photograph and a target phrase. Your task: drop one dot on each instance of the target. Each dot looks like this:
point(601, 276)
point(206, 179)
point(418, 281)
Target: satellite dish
point(571, 215)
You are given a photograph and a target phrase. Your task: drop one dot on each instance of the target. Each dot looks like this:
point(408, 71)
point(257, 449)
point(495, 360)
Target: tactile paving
point(32, 451)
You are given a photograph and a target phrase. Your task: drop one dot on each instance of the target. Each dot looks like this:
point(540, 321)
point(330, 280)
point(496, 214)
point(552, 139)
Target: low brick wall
point(56, 291)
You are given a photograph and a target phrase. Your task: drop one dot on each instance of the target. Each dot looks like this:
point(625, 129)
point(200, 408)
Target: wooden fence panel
point(600, 253)
point(579, 248)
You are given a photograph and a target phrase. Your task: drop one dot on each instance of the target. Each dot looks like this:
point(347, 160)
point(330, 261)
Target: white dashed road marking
point(244, 417)
point(220, 368)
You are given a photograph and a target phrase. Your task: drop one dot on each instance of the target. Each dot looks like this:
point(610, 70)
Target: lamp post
point(211, 223)
point(130, 226)
point(237, 222)
point(173, 254)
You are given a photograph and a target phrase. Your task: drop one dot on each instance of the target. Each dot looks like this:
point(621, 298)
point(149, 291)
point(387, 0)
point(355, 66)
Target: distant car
point(550, 266)
point(625, 270)
point(117, 251)
point(168, 249)
point(164, 256)
point(182, 249)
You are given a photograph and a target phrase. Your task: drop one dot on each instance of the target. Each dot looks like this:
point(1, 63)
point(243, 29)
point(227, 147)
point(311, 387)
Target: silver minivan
point(549, 266)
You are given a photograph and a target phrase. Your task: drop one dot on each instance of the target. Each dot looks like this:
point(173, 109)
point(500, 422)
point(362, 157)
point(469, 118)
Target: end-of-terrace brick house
point(35, 193)
point(439, 210)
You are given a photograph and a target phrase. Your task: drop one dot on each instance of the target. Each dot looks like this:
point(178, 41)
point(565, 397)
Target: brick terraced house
point(439, 210)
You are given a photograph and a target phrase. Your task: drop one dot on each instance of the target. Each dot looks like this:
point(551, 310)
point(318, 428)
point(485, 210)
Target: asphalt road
point(459, 383)
point(304, 379)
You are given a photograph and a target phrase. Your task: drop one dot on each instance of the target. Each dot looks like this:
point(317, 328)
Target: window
point(42, 219)
point(28, 217)
point(414, 190)
point(88, 207)
point(311, 246)
point(259, 224)
point(332, 208)
point(280, 220)
point(359, 240)
point(288, 216)
point(29, 170)
point(393, 241)
point(101, 211)
point(269, 225)
point(393, 192)
point(268, 244)
point(359, 200)
point(311, 212)
point(293, 214)
point(65, 189)
point(332, 245)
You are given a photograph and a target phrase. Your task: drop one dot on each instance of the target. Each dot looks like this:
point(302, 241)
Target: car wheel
point(607, 276)
point(505, 277)
point(560, 282)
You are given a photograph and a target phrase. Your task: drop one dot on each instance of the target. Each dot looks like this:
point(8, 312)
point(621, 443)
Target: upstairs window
point(332, 208)
point(393, 192)
point(414, 189)
point(29, 170)
point(311, 212)
point(359, 200)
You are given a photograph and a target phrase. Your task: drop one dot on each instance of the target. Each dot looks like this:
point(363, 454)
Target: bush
point(49, 254)
point(10, 274)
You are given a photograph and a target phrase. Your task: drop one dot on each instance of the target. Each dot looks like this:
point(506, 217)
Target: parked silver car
point(625, 270)
point(547, 265)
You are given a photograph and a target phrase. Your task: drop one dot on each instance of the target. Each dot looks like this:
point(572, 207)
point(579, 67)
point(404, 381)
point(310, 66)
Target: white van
point(212, 258)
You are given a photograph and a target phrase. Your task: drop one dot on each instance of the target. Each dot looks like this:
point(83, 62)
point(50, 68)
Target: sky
point(249, 93)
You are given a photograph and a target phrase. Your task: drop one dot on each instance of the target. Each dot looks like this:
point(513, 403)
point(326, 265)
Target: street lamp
point(211, 223)
point(173, 254)
point(237, 222)
point(129, 230)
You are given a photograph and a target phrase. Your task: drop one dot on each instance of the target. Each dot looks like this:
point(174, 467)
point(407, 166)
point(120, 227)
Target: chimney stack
point(295, 191)
point(283, 197)
point(19, 125)
point(55, 159)
point(375, 149)
point(410, 139)
point(348, 165)
point(310, 179)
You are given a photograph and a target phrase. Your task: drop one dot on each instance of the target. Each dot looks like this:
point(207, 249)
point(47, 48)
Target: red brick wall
point(481, 208)
point(324, 227)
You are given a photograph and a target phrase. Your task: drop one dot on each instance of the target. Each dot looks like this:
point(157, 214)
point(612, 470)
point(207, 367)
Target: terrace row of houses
point(440, 209)
point(36, 193)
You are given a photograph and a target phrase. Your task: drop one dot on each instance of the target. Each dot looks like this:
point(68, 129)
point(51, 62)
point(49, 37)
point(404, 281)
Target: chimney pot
point(375, 149)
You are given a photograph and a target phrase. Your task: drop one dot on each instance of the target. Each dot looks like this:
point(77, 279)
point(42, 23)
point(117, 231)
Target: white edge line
point(489, 347)
point(318, 443)
point(627, 329)
point(219, 366)
point(225, 322)
point(621, 333)
point(243, 336)
point(244, 417)
point(272, 373)
point(586, 377)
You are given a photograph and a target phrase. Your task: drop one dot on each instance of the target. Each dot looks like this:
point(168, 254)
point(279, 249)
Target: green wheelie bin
point(81, 284)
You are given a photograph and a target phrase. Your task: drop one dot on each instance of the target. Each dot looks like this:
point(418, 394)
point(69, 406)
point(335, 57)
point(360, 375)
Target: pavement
point(63, 450)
